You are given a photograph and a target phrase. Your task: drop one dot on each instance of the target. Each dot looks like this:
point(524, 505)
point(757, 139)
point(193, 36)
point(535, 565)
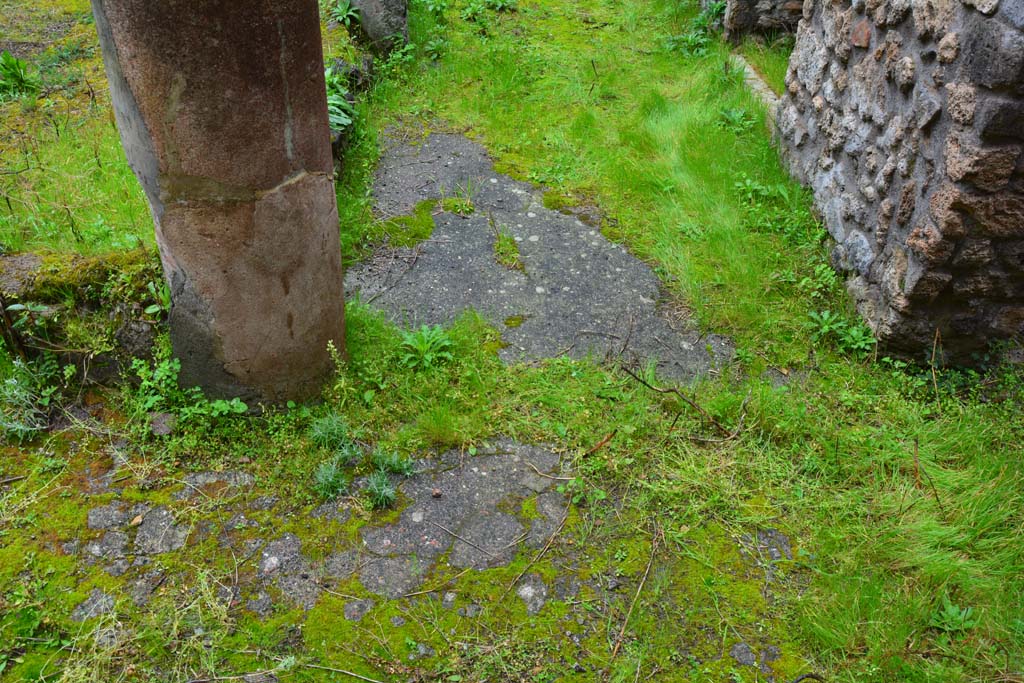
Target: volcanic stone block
point(921, 156)
point(223, 116)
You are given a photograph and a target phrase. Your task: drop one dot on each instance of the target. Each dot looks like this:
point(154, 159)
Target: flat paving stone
point(578, 293)
point(213, 484)
point(97, 604)
point(454, 507)
point(158, 533)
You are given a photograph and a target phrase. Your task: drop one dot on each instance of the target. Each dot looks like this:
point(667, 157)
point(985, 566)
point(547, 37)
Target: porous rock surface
point(383, 23)
point(906, 117)
point(760, 17)
point(577, 294)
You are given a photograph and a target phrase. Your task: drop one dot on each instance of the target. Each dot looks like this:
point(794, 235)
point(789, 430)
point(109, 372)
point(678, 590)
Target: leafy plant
point(392, 462)
point(857, 339)
point(330, 479)
point(162, 296)
point(426, 348)
point(735, 119)
point(436, 7)
point(15, 78)
point(344, 12)
point(502, 5)
point(435, 48)
point(473, 11)
point(380, 490)
point(690, 44)
point(341, 111)
point(822, 283)
point(951, 618)
point(826, 325)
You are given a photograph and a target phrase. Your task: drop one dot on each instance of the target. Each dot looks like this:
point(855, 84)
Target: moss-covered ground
point(898, 482)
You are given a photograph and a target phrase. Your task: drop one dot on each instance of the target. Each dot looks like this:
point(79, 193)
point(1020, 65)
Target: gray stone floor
point(578, 293)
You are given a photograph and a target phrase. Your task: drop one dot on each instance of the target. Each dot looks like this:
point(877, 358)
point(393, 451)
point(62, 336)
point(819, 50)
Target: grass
point(770, 58)
point(900, 487)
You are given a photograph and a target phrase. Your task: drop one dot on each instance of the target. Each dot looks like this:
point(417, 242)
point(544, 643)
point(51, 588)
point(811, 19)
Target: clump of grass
point(506, 251)
point(15, 78)
point(330, 478)
point(460, 206)
point(330, 431)
point(380, 490)
point(392, 462)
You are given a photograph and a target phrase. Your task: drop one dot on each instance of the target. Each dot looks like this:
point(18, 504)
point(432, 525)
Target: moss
point(556, 201)
point(514, 321)
point(407, 231)
point(94, 279)
point(506, 252)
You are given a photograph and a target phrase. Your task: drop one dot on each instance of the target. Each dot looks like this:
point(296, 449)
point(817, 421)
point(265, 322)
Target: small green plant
point(502, 5)
point(438, 8)
point(951, 618)
point(330, 479)
point(473, 11)
point(506, 251)
point(26, 394)
point(857, 340)
point(341, 112)
point(426, 348)
point(161, 294)
point(821, 284)
point(330, 431)
point(392, 462)
point(736, 120)
point(689, 44)
point(345, 13)
point(826, 325)
point(380, 490)
point(435, 48)
point(15, 78)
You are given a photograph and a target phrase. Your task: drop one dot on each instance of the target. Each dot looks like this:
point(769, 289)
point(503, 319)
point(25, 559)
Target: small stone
point(743, 655)
point(98, 603)
point(469, 611)
point(357, 609)
point(961, 102)
point(159, 534)
point(448, 601)
point(534, 593)
point(260, 605)
point(397, 621)
point(436, 493)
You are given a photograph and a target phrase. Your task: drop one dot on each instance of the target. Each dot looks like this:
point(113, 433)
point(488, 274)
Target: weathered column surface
point(222, 112)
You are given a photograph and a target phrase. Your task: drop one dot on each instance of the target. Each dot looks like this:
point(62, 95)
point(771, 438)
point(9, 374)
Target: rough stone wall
point(765, 17)
point(906, 117)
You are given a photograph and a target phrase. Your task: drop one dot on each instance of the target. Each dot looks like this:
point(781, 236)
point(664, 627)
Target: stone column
point(222, 112)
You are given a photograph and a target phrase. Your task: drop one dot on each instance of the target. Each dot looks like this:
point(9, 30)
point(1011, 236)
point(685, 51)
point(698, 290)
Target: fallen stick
point(632, 605)
point(686, 399)
point(341, 671)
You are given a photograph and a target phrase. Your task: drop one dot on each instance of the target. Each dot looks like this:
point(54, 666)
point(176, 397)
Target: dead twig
point(438, 587)
point(547, 476)
point(341, 671)
point(464, 540)
point(11, 480)
point(935, 491)
point(686, 399)
point(636, 597)
point(602, 443)
point(732, 435)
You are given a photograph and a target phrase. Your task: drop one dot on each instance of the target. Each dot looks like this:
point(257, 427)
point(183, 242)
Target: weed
point(392, 462)
point(330, 479)
point(435, 48)
point(345, 13)
point(330, 432)
point(826, 325)
point(15, 78)
point(473, 11)
point(426, 348)
point(502, 5)
point(736, 120)
point(26, 395)
point(951, 618)
point(340, 108)
point(437, 8)
point(506, 251)
point(380, 491)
